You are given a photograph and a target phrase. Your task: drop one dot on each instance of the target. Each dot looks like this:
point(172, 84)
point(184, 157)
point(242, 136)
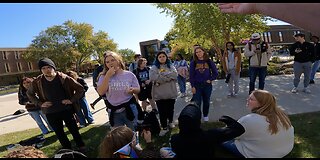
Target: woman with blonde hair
point(268, 130)
point(119, 85)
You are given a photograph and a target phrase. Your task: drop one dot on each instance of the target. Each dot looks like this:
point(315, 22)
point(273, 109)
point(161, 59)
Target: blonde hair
point(116, 56)
point(26, 152)
point(114, 140)
point(268, 107)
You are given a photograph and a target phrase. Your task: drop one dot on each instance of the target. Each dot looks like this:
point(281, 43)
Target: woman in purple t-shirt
point(119, 86)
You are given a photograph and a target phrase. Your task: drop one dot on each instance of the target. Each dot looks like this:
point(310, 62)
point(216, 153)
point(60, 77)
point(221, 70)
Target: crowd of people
point(59, 98)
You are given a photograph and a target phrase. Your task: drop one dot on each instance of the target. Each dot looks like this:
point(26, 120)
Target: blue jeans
point(121, 119)
point(231, 147)
point(36, 115)
point(203, 93)
point(84, 112)
point(253, 73)
point(135, 113)
point(182, 84)
point(314, 69)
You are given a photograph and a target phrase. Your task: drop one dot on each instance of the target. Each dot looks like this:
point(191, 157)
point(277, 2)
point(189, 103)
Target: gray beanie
point(46, 62)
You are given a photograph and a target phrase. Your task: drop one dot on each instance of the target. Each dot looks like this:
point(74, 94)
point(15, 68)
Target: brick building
point(13, 67)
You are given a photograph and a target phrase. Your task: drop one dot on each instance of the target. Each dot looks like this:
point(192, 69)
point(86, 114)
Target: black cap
point(299, 34)
point(46, 62)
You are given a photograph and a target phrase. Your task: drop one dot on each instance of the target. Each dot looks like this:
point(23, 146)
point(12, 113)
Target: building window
point(269, 37)
point(19, 66)
point(265, 37)
point(280, 36)
point(16, 54)
point(4, 55)
point(6, 66)
point(30, 66)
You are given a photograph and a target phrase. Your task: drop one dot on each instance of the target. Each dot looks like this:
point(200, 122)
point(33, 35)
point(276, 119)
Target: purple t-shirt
point(118, 86)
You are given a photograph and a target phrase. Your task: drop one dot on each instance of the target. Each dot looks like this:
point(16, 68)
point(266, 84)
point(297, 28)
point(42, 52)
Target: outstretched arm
point(304, 15)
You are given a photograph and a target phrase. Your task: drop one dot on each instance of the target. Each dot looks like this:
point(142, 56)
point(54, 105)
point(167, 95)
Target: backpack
point(151, 123)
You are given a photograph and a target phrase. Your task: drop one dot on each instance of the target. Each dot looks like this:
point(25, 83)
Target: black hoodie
point(193, 142)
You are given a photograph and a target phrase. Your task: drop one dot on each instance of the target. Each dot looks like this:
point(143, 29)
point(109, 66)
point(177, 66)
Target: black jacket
point(201, 144)
point(307, 54)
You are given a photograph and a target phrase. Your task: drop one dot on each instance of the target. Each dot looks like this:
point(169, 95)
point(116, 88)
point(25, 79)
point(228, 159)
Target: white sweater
point(257, 141)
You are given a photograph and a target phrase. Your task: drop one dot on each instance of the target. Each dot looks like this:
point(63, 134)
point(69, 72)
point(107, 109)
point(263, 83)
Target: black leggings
point(166, 110)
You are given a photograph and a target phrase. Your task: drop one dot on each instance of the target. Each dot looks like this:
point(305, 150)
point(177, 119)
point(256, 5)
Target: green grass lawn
point(307, 128)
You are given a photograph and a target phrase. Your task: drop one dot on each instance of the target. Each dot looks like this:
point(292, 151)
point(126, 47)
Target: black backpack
point(151, 123)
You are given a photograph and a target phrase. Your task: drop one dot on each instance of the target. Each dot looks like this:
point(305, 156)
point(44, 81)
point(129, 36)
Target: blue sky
point(126, 23)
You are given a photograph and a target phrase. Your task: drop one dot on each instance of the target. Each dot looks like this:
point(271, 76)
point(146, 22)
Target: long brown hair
point(205, 54)
point(268, 107)
point(114, 140)
point(116, 56)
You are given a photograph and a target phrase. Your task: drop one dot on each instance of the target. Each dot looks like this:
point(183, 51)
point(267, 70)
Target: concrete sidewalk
point(220, 105)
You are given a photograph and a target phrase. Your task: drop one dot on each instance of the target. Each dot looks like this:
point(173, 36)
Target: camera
point(228, 78)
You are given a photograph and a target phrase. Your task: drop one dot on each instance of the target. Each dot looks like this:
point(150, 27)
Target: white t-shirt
point(257, 141)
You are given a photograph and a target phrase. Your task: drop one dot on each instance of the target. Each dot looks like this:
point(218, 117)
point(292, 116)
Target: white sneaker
point(294, 90)
point(229, 95)
point(163, 132)
point(171, 125)
point(306, 90)
point(166, 152)
point(206, 119)
point(235, 94)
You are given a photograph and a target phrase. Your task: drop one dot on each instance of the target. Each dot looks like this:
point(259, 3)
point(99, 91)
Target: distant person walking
point(58, 95)
point(203, 72)
point(231, 63)
point(259, 54)
point(182, 68)
point(303, 53)
point(316, 63)
point(134, 64)
point(34, 110)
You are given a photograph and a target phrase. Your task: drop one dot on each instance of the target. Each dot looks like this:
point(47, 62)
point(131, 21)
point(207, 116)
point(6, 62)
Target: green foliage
point(69, 44)
point(127, 55)
point(204, 24)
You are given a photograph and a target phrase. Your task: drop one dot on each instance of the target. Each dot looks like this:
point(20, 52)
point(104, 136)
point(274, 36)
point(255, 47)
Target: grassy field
point(307, 128)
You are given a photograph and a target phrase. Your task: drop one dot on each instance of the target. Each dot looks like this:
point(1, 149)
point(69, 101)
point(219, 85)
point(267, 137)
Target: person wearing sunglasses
point(121, 142)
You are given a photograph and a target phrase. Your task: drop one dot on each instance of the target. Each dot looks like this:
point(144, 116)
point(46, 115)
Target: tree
point(69, 44)
point(204, 24)
point(127, 55)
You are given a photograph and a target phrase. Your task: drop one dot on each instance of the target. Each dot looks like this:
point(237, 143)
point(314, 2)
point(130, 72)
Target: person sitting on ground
point(193, 142)
point(26, 152)
point(268, 130)
point(121, 143)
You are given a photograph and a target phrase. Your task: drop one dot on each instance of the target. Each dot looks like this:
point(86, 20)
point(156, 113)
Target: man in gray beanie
point(58, 96)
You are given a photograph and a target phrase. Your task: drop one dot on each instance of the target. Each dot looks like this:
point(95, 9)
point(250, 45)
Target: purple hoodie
point(200, 72)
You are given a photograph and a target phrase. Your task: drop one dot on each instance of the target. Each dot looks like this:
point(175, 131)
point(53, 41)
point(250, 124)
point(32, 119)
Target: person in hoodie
point(193, 142)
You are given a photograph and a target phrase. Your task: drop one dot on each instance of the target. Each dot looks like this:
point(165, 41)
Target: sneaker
point(311, 82)
point(163, 132)
point(236, 94)
point(206, 119)
point(81, 126)
point(182, 95)
point(229, 95)
point(306, 90)
point(294, 90)
point(171, 125)
point(166, 152)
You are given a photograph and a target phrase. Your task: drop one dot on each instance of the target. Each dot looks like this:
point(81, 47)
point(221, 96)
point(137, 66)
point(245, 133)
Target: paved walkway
point(220, 105)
